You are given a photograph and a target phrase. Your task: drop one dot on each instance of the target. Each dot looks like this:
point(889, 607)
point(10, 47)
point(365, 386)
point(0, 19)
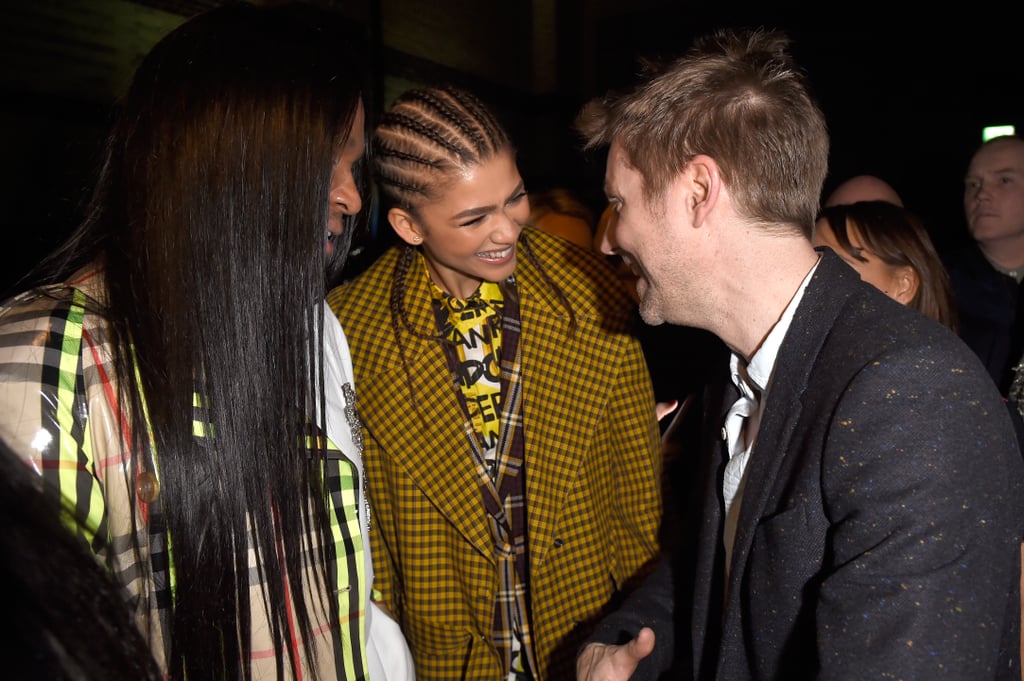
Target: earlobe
point(404, 226)
point(907, 282)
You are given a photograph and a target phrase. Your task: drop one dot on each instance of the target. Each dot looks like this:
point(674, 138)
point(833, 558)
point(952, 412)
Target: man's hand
point(663, 409)
point(601, 662)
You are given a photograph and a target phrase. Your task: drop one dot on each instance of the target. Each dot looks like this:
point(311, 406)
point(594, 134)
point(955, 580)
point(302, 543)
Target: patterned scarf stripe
point(511, 477)
point(89, 508)
point(474, 326)
point(503, 490)
point(349, 638)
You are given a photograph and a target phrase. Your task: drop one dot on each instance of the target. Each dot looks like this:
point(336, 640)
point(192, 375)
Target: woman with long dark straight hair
point(166, 373)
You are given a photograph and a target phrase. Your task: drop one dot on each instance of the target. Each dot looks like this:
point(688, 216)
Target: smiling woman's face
point(469, 235)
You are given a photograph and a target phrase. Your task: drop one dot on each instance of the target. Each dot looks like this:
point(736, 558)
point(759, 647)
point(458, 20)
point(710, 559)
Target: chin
point(500, 273)
point(650, 314)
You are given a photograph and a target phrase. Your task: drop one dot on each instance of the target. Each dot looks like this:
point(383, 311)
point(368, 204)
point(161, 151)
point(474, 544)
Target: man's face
point(994, 193)
point(649, 239)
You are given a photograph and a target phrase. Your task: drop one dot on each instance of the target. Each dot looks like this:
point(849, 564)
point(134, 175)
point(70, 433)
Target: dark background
point(905, 92)
point(904, 102)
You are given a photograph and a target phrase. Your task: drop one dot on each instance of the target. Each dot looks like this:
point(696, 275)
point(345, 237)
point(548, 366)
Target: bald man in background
point(863, 188)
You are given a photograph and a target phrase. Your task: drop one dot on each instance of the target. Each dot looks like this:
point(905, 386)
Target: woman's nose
point(347, 197)
point(513, 224)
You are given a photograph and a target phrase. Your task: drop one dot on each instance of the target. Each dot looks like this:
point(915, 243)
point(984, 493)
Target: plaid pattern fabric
point(492, 321)
point(591, 453)
point(58, 396)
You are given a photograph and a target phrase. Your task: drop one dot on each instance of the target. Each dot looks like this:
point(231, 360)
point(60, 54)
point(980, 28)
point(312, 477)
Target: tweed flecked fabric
point(592, 460)
point(880, 529)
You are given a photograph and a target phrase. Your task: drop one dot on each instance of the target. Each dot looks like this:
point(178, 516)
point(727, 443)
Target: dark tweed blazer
point(592, 462)
point(879, 531)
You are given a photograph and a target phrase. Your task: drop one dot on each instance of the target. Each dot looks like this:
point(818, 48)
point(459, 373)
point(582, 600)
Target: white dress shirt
point(753, 380)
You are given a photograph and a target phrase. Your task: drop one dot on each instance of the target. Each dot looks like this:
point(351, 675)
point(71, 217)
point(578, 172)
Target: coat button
point(559, 543)
point(147, 488)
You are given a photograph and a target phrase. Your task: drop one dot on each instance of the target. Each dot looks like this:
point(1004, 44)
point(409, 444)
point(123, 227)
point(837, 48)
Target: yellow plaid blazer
point(592, 451)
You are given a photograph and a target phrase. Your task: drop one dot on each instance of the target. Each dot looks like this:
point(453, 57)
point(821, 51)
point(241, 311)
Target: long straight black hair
point(210, 214)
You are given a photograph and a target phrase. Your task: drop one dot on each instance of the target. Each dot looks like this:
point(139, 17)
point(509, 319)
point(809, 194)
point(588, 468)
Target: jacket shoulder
point(585, 277)
point(367, 293)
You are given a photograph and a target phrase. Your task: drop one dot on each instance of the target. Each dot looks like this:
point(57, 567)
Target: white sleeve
point(387, 652)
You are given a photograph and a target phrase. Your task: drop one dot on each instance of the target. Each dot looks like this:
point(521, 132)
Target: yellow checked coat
point(592, 453)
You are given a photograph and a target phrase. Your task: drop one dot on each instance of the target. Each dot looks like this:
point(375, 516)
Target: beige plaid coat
point(59, 411)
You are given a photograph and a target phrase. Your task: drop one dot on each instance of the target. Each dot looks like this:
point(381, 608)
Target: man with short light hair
point(856, 503)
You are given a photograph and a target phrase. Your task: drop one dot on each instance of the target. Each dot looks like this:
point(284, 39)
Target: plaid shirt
point(58, 396)
point(591, 449)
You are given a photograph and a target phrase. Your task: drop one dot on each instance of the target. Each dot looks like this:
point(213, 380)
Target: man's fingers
point(663, 409)
point(641, 646)
point(600, 662)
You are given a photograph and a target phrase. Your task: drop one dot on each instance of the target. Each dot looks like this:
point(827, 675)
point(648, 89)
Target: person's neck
point(452, 282)
point(762, 291)
point(1005, 255)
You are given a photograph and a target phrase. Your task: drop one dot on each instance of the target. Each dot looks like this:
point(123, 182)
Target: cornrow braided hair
point(426, 135)
point(399, 317)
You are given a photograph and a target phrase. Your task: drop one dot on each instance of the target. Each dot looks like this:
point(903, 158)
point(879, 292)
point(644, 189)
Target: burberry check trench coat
point(593, 462)
point(60, 413)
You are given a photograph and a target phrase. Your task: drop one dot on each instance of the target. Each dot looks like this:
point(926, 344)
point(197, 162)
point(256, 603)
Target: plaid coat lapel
point(424, 430)
point(552, 355)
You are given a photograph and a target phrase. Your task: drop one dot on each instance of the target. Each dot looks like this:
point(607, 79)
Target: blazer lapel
point(547, 350)
point(825, 295)
point(427, 435)
point(708, 548)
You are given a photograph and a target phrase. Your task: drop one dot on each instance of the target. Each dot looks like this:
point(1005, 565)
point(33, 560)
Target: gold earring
point(417, 239)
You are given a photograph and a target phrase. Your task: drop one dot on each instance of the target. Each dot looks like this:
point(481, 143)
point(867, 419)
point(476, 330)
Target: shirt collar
point(752, 380)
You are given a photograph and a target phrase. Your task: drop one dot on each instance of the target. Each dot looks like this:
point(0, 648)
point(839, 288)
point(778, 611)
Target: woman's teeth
point(495, 255)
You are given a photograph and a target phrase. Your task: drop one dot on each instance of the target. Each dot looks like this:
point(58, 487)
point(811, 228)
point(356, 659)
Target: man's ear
point(704, 184)
point(906, 283)
point(404, 226)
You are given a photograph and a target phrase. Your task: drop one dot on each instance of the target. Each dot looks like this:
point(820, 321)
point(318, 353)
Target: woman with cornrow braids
point(510, 438)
